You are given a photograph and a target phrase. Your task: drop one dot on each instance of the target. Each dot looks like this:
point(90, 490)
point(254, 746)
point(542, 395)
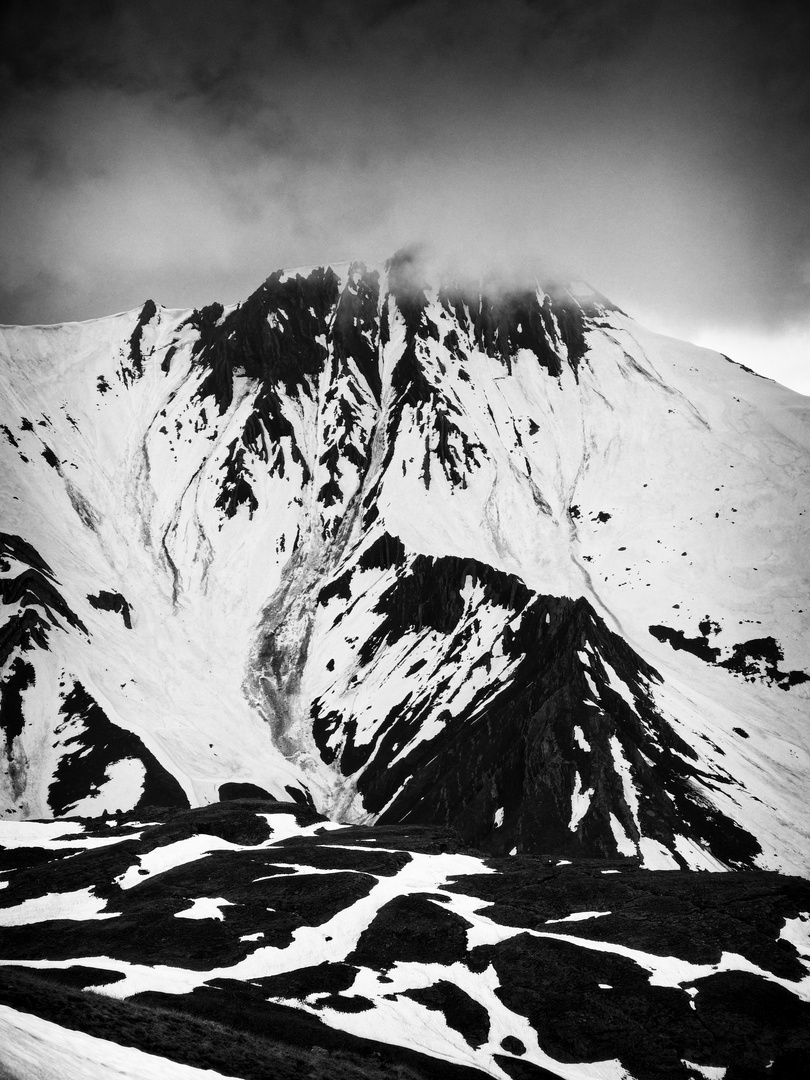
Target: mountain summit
point(411, 550)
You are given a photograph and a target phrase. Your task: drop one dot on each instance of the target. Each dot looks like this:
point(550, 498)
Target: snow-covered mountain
point(414, 550)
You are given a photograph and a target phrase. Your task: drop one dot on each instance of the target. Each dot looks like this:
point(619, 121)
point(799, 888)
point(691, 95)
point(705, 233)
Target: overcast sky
point(184, 150)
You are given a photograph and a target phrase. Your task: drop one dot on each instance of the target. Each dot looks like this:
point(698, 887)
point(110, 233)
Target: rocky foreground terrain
point(260, 940)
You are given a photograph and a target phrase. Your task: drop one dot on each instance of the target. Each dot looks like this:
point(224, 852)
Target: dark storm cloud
point(183, 150)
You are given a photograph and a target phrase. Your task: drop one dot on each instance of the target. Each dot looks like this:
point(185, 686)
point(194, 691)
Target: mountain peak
point(408, 544)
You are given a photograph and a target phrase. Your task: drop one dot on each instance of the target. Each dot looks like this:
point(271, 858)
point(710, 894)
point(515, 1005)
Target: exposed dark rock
point(275, 337)
point(134, 369)
point(96, 743)
point(110, 601)
point(698, 646)
point(23, 551)
point(9, 436)
point(523, 1070)
point(230, 791)
point(166, 362)
point(239, 821)
point(411, 929)
point(513, 749)
point(513, 1045)
point(757, 1021)
point(744, 368)
point(459, 1010)
point(236, 489)
point(757, 659)
point(33, 588)
point(25, 631)
point(50, 457)
point(707, 626)
point(19, 678)
point(42, 603)
point(355, 328)
point(323, 978)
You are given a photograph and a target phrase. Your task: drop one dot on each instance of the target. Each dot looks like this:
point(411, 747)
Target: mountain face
point(409, 550)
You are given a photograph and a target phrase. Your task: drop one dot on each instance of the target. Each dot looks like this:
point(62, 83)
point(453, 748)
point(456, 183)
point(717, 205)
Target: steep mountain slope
point(416, 550)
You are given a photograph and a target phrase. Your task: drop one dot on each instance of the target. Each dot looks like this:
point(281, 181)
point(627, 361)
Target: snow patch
point(655, 856)
point(624, 769)
point(591, 686)
point(76, 906)
point(161, 859)
point(578, 916)
point(709, 1072)
point(580, 740)
point(580, 803)
point(797, 932)
point(55, 834)
point(696, 857)
point(205, 908)
point(121, 789)
point(624, 844)
point(617, 684)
